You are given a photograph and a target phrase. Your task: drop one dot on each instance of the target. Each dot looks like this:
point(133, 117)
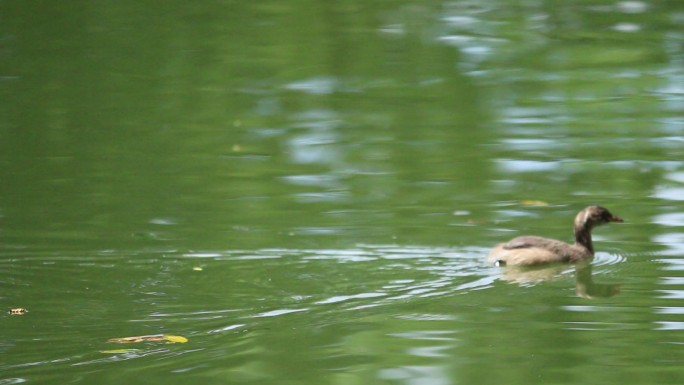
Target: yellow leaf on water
point(149, 338)
point(533, 203)
point(197, 268)
point(174, 339)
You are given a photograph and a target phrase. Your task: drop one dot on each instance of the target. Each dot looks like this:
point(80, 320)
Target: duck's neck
point(583, 236)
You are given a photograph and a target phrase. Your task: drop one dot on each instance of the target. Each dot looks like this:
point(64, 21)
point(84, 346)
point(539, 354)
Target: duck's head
point(595, 216)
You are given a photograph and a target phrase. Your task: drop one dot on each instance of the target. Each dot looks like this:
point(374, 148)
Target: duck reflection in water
point(524, 253)
point(585, 286)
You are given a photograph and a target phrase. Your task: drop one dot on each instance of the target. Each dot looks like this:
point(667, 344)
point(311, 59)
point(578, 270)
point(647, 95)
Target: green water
point(307, 191)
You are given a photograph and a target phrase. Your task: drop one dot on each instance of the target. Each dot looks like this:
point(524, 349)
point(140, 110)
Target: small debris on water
point(534, 203)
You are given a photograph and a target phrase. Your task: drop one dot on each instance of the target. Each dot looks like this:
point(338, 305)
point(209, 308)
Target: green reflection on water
point(338, 171)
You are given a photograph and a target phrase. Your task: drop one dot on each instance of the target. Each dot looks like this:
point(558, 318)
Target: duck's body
point(532, 250)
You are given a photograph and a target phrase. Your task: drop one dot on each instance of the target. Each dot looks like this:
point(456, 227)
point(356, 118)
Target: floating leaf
point(119, 351)
point(534, 203)
point(149, 338)
point(130, 340)
point(174, 339)
point(197, 268)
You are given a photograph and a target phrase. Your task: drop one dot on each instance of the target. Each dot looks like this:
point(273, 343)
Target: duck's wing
point(526, 242)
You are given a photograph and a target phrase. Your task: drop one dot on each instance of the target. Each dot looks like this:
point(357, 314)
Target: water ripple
point(605, 259)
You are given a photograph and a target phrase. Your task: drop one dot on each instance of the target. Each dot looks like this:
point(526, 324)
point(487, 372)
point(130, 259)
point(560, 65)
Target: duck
point(533, 250)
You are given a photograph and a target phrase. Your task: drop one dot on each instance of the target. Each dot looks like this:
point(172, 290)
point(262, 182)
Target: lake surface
point(307, 190)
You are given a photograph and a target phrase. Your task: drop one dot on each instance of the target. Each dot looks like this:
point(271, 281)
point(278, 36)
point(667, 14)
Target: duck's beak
point(616, 219)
